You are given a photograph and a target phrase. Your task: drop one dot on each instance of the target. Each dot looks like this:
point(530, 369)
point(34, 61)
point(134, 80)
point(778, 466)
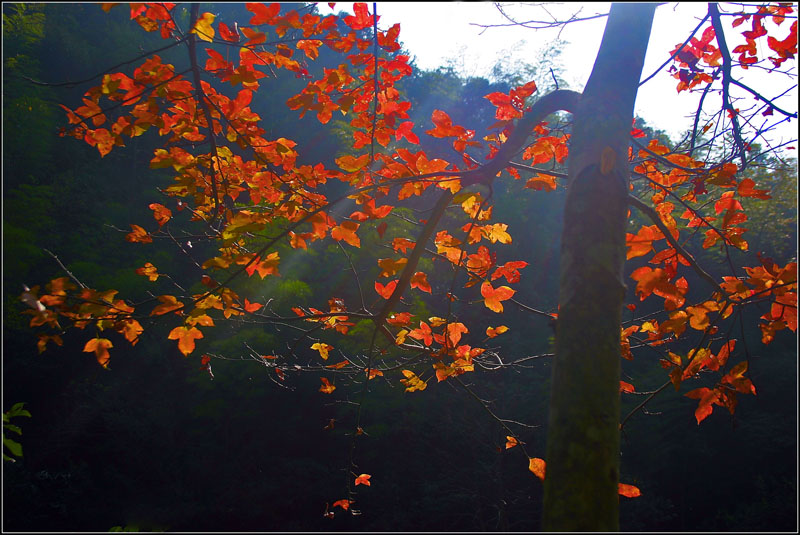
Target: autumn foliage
point(243, 190)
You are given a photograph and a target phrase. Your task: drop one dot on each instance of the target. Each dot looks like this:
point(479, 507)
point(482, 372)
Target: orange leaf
point(373, 373)
point(494, 296)
point(251, 307)
point(185, 337)
point(708, 398)
point(352, 164)
point(327, 387)
point(491, 332)
point(509, 270)
point(168, 304)
point(399, 319)
point(537, 466)
point(422, 333)
point(629, 491)
point(385, 291)
point(347, 232)
point(444, 126)
point(139, 235)
point(454, 332)
point(511, 442)
point(625, 387)
point(363, 479)
point(161, 213)
point(267, 266)
point(344, 504)
point(100, 347)
point(203, 319)
point(420, 280)
point(130, 329)
point(642, 243)
point(149, 271)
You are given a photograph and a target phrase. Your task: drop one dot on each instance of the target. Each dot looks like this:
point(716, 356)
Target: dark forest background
point(154, 444)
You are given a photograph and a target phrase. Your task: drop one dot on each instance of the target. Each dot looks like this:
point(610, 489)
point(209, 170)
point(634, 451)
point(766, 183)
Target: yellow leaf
point(401, 336)
point(436, 321)
point(413, 382)
point(323, 349)
point(496, 233)
point(390, 266)
point(203, 27)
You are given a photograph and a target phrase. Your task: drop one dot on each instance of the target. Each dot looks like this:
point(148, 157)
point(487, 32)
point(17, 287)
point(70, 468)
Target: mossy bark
point(581, 484)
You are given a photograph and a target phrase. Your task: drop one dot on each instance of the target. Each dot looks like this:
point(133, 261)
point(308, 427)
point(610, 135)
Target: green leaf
point(17, 410)
point(13, 446)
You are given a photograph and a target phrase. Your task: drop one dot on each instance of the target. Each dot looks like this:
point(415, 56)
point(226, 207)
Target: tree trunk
point(581, 483)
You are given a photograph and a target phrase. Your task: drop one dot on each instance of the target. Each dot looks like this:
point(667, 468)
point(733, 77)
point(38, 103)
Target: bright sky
point(434, 32)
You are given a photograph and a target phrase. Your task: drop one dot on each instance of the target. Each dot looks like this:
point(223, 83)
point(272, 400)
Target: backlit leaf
point(168, 304)
point(161, 213)
point(185, 337)
point(492, 297)
point(423, 332)
point(139, 235)
point(420, 280)
point(149, 271)
point(491, 332)
point(347, 232)
point(327, 387)
point(203, 28)
point(100, 348)
point(323, 349)
point(344, 504)
point(537, 466)
point(361, 19)
point(412, 382)
point(385, 291)
point(629, 491)
point(363, 479)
